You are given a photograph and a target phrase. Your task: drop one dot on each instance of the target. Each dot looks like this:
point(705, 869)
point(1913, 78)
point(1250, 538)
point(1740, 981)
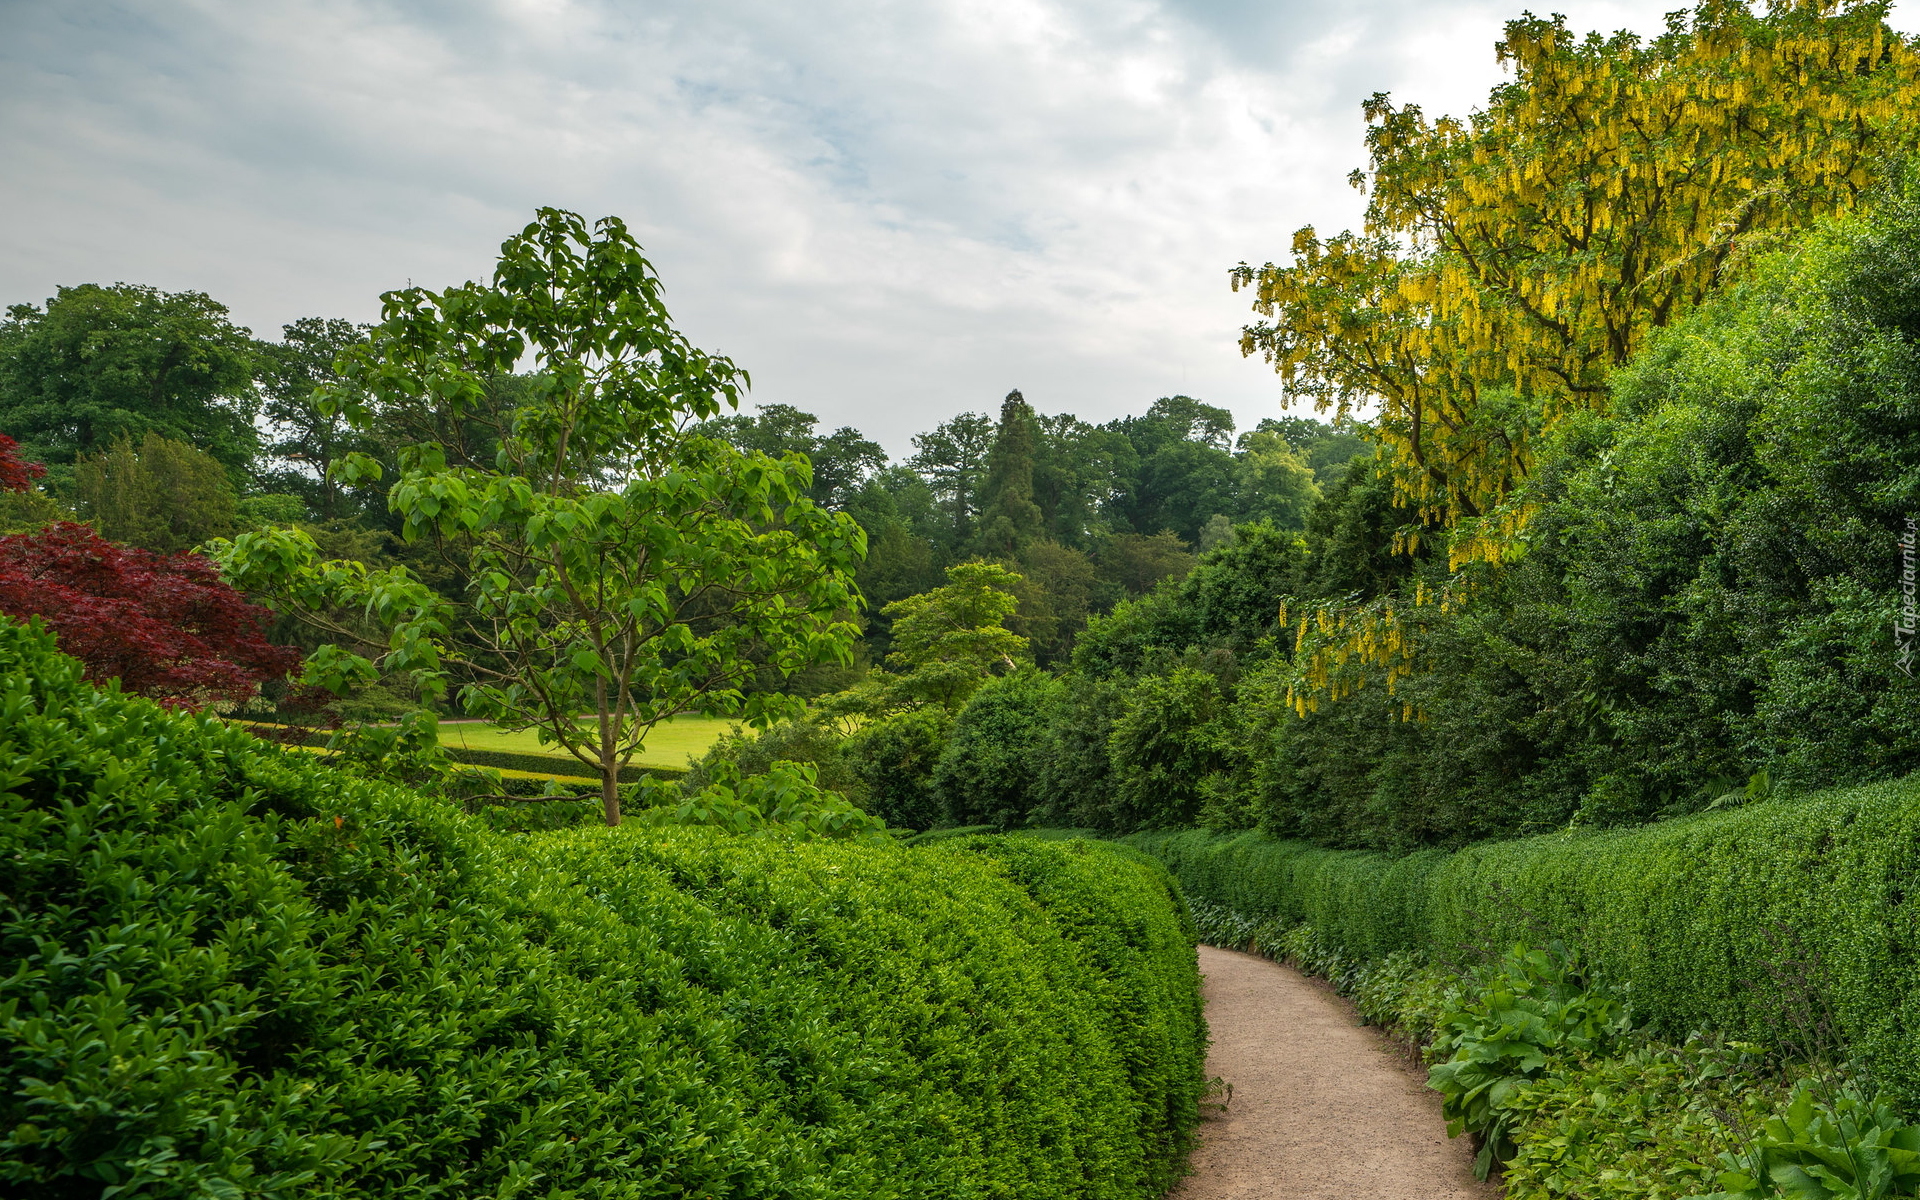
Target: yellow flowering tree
point(1512, 260)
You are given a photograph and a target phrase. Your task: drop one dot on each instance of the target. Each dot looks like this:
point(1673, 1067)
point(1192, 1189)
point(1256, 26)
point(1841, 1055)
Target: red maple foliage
point(166, 626)
point(16, 474)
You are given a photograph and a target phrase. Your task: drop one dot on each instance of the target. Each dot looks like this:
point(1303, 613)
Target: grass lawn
point(667, 746)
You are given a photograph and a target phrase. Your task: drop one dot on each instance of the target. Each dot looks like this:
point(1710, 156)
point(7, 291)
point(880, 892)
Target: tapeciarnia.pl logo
point(1905, 622)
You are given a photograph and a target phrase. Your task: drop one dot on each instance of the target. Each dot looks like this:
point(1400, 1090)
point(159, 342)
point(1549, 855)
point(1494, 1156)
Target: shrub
point(804, 739)
point(239, 972)
point(985, 774)
point(893, 759)
point(1761, 922)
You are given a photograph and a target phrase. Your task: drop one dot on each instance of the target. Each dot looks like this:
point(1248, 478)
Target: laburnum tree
point(618, 569)
point(1512, 260)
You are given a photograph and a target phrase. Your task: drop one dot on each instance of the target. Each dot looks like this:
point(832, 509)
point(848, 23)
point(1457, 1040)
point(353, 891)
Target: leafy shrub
point(787, 797)
point(1646, 1124)
point(894, 758)
point(1500, 1034)
point(804, 739)
point(1703, 920)
point(1852, 1148)
point(985, 774)
point(238, 972)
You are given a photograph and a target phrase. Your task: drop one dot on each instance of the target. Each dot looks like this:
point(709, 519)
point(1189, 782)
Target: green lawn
point(667, 746)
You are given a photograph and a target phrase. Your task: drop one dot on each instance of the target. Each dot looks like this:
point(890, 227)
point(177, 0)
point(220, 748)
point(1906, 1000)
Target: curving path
point(1323, 1107)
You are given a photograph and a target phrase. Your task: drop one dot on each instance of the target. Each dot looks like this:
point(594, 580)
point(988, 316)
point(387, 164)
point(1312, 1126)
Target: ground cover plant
point(240, 972)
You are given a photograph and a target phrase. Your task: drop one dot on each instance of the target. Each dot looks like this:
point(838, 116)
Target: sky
point(888, 212)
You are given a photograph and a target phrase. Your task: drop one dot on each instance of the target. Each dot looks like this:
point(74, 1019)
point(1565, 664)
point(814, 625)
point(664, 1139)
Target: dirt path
point(1323, 1108)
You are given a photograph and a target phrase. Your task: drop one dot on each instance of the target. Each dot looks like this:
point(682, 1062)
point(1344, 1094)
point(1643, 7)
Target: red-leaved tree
point(16, 473)
point(165, 625)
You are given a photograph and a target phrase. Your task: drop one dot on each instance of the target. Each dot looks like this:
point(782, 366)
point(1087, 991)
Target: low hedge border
point(1753, 922)
point(565, 766)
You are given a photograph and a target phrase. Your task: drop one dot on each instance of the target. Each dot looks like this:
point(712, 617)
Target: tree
point(843, 461)
point(1074, 479)
point(1009, 518)
point(24, 508)
point(1135, 563)
point(164, 496)
point(613, 566)
point(1275, 483)
point(308, 435)
point(98, 364)
point(946, 643)
point(1181, 472)
point(1510, 262)
point(953, 458)
point(164, 625)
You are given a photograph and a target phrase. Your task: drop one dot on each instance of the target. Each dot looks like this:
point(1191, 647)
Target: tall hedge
point(1754, 922)
point(233, 971)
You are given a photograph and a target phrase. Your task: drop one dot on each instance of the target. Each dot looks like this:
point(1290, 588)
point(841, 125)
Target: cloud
point(889, 212)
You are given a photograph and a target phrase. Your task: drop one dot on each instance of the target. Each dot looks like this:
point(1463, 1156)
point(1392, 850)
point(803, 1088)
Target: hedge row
point(1761, 922)
point(554, 764)
point(561, 765)
point(235, 971)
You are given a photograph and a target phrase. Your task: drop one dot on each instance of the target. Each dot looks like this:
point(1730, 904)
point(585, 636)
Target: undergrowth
point(1565, 1095)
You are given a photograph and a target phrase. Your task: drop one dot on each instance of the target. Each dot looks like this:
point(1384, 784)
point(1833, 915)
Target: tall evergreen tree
point(1009, 518)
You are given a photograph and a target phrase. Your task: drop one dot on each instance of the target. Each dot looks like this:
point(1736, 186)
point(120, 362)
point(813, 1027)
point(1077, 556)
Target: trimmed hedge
point(554, 764)
point(234, 971)
point(1716, 921)
point(562, 765)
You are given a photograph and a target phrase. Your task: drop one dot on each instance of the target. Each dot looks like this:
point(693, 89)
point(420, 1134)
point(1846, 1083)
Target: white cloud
point(888, 211)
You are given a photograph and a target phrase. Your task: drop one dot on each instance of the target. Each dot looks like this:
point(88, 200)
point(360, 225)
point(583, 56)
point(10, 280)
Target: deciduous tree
point(101, 363)
point(1512, 260)
point(616, 568)
point(164, 625)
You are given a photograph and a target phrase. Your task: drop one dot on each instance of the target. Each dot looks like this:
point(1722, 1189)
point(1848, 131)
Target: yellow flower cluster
point(1513, 260)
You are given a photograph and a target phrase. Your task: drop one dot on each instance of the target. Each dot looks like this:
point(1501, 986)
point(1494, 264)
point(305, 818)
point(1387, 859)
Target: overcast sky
point(888, 212)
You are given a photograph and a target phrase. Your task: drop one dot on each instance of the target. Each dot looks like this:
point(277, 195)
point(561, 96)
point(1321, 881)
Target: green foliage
point(98, 365)
point(239, 972)
point(1782, 922)
point(1165, 749)
point(1009, 518)
point(1500, 1035)
point(893, 758)
point(804, 739)
point(306, 433)
point(787, 796)
point(1646, 1124)
point(985, 773)
point(163, 496)
point(612, 567)
point(1850, 1149)
point(946, 643)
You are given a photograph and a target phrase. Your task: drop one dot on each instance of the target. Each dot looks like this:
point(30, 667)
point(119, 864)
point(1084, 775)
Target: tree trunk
point(610, 793)
point(609, 767)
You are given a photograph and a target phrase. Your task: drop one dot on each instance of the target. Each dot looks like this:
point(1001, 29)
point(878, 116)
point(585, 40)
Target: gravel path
point(1323, 1107)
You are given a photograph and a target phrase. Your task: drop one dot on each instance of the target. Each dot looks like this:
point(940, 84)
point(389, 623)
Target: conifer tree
point(1009, 518)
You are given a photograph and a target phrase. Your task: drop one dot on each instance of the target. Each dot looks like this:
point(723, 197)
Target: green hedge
point(553, 764)
point(234, 971)
point(563, 765)
point(1712, 922)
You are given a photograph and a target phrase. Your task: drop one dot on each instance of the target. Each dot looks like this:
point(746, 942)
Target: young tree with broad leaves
point(619, 569)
